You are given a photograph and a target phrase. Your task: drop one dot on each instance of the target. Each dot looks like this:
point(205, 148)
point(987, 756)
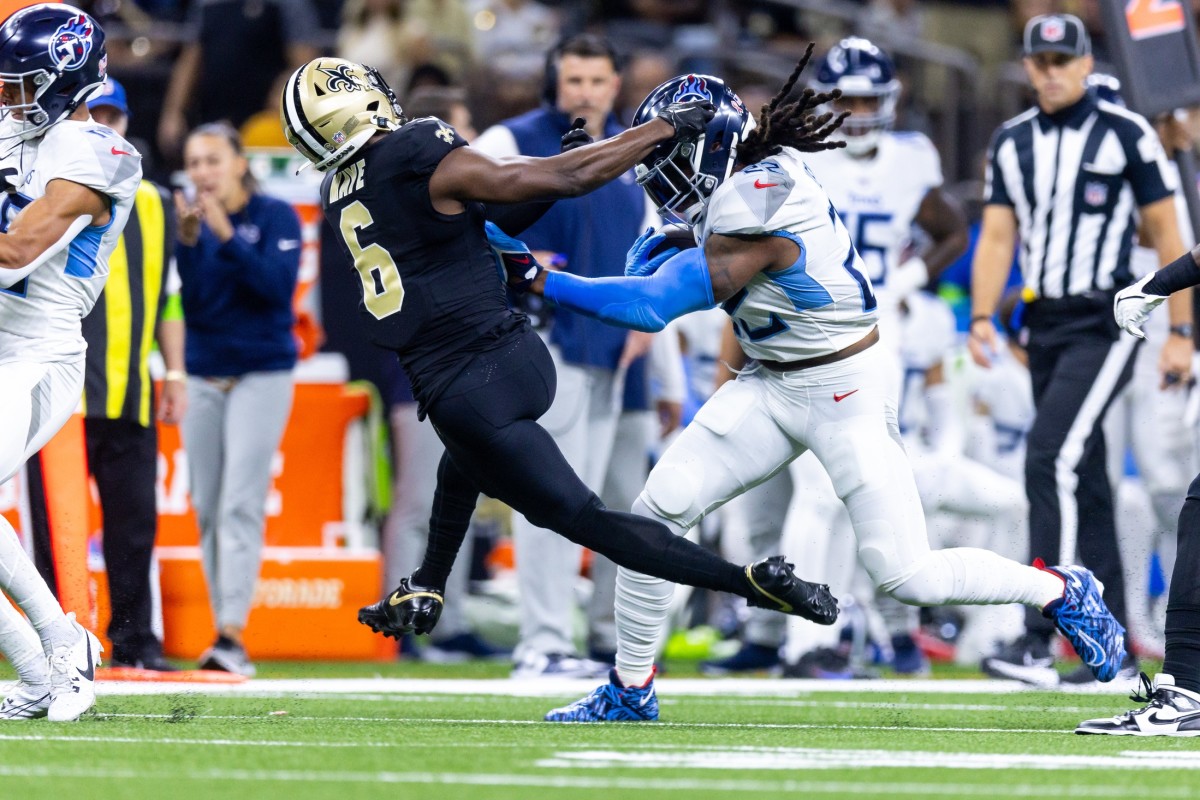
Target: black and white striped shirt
point(1075, 180)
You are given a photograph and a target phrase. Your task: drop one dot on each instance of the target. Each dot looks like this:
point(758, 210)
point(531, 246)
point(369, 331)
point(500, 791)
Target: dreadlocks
point(788, 124)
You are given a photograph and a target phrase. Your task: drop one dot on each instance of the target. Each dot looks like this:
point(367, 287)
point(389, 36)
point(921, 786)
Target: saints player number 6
point(383, 293)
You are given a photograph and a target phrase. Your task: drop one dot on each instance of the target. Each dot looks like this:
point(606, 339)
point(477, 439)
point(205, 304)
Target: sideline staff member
point(1071, 175)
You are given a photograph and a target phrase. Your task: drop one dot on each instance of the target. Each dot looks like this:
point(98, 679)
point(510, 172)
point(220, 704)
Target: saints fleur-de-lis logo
point(445, 134)
point(341, 79)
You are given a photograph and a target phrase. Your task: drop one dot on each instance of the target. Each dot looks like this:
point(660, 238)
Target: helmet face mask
point(52, 57)
point(859, 69)
point(680, 176)
point(331, 108)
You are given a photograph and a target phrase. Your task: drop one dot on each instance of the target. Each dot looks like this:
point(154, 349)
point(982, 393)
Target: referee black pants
point(1078, 365)
point(487, 418)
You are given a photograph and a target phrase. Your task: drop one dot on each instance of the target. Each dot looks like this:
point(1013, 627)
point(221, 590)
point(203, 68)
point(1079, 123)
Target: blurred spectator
point(238, 253)
point(237, 50)
point(644, 72)
point(447, 103)
point(512, 36)
point(396, 36)
point(264, 128)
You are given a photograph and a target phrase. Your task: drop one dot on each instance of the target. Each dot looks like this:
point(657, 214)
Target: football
point(678, 236)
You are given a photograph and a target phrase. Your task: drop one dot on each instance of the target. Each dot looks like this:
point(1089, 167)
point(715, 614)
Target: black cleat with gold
point(776, 586)
point(409, 609)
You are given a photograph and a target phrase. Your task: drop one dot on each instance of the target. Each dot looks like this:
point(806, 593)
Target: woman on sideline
point(238, 254)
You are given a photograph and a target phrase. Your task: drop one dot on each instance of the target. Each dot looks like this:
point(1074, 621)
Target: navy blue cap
point(112, 93)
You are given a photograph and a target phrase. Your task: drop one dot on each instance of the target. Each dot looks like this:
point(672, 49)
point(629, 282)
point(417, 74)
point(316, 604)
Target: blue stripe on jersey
point(800, 287)
point(84, 251)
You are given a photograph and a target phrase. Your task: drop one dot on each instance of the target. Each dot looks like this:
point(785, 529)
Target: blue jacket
point(237, 296)
point(592, 232)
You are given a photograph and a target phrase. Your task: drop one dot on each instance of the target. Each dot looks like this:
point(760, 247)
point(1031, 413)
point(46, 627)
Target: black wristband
point(1179, 274)
point(977, 318)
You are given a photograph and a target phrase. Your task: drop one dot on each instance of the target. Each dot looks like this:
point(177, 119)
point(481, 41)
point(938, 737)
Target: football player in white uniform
point(70, 184)
point(774, 252)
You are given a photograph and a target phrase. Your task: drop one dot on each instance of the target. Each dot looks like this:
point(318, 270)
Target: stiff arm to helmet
point(643, 303)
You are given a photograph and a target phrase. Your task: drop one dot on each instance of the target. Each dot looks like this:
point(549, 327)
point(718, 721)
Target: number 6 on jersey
point(383, 293)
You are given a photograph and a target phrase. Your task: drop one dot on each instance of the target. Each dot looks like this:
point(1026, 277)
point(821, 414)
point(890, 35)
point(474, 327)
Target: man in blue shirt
point(590, 236)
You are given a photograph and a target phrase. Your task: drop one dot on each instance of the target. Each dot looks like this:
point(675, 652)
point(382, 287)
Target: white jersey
point(40, 314)
point(878, 198)
point(823, 302)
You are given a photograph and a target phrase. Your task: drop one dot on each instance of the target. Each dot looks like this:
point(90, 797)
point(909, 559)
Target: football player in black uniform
point(410, 200)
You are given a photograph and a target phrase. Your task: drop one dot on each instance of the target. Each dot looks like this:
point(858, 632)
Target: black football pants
point(487, 418)
point(1183, 602)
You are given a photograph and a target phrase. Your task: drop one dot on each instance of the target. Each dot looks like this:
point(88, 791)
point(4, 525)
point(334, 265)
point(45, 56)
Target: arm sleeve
point(515, 218)
point(648, 303)
point(1146, 166)
point(995, 192)
point(270, 269)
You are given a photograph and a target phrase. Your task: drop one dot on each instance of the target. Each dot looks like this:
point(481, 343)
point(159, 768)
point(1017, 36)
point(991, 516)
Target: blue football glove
point(515, 264)
point(637, 261)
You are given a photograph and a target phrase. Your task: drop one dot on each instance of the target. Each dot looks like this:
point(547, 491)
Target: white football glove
point(1133, 305)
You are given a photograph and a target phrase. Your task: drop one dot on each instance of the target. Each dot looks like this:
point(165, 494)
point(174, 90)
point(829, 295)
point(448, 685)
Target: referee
point(1070, 178)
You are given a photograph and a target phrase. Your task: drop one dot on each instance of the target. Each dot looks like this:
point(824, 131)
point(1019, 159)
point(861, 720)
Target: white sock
point(20, 579)
point(641, 609)
point(21, 646)
point(973, 576)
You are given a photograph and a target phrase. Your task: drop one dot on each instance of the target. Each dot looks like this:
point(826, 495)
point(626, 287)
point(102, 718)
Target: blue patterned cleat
point(612, 702)
point(1087, 623)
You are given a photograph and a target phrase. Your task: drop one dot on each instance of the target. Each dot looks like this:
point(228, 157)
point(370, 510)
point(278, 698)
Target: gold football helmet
point(331, 107)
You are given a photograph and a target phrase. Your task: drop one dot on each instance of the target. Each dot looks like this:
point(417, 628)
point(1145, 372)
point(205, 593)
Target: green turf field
point(480, 736)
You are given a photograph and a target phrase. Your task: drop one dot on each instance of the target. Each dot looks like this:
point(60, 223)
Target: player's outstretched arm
point(47, 225)
point(1133, 304)
point(689, 281)
point(468, 175)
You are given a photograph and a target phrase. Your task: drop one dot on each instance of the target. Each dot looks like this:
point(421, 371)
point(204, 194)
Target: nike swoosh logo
point(90, 673)
point(397, 598)
point(759, 185)
point(837, 398)
point(520, 259)
point(117, 152)
point(1154, 718)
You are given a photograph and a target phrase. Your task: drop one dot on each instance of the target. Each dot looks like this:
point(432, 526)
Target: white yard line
point(642, 784)
point(684, 687)
point(816, 758)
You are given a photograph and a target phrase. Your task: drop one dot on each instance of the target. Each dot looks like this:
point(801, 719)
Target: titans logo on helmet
point(692, 88)
point(71, 43)
point(341, 79)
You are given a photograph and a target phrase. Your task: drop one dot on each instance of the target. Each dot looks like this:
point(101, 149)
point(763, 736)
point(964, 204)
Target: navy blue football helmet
point(681, 175)
point(860, 69)
point(1105, 87)
point(52, 57)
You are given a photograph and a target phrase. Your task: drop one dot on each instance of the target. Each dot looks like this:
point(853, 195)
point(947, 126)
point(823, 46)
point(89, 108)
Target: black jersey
point(431, 291)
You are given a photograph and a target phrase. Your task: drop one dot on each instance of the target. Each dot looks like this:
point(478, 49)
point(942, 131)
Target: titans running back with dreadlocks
point(774, 253)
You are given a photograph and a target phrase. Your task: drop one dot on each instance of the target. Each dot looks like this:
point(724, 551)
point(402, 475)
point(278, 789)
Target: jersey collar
point(1073, 116)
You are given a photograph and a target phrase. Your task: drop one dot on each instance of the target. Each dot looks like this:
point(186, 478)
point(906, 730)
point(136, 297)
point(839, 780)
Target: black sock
point(453, 506)
point(1182, 660)
point(649, 547)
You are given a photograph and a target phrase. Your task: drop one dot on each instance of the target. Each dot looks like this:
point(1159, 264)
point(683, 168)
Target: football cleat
point(1169, 711)
point(612, 702)
point(26, 701)
point(73, 675)
point(1089, 626)
point(409, 609)
point(228, 656)
point(750, 657)
point(777, 587)
point(1027, 660)
point(558, 665)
